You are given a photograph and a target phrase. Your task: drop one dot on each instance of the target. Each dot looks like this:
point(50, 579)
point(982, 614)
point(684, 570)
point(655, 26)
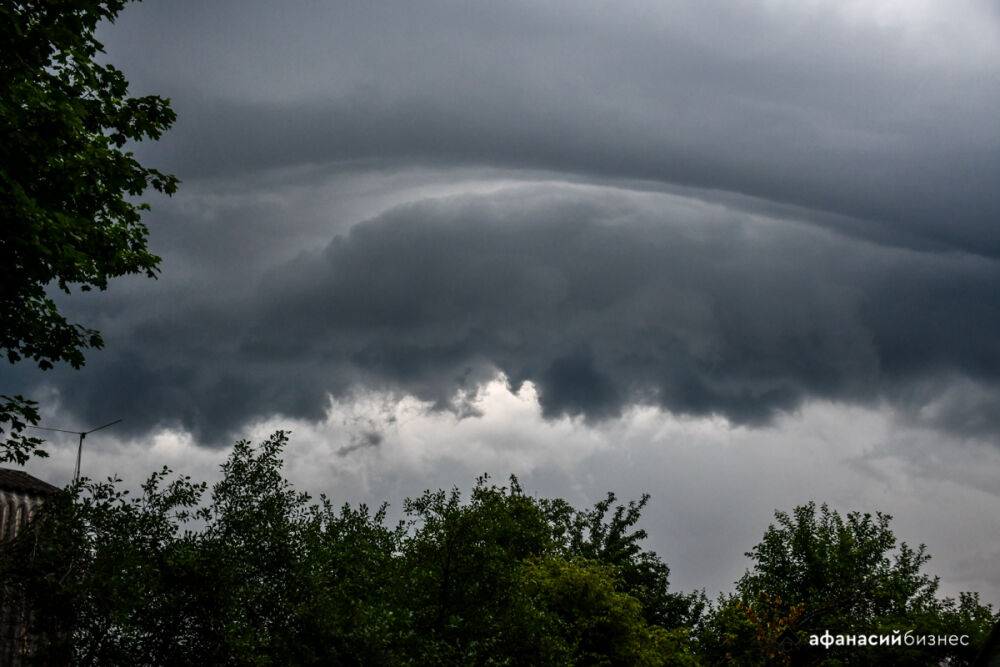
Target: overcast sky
point(739, 255)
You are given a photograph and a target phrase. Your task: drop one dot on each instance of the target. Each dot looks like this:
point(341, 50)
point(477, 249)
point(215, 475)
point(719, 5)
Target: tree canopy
point(817, 571)
point(68, 184)
point(253, 572)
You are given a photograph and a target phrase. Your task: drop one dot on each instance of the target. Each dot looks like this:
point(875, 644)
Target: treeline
point(253, 572)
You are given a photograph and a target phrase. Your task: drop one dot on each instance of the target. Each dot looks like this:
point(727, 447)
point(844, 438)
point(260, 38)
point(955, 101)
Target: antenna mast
point(79, 446)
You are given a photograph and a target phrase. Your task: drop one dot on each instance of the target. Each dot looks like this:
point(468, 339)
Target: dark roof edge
point(21, 482)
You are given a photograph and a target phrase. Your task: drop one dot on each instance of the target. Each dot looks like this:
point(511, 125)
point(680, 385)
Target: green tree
point(286, 580)
point(255, 573)
point(97, 571)
point(607, 533)
point(573, 612)
point(816, 570)
point(508, 579)
point(67, 185)
point(462, 560)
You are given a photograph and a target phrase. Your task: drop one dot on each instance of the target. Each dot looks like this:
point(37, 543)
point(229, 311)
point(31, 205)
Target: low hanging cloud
point(602, 298)
point(850, 150)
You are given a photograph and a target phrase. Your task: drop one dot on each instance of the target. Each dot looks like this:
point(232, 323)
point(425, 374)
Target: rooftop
point(21, 482)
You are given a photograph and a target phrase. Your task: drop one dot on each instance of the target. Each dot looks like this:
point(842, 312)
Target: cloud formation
point(882, 112)
point(602, 298)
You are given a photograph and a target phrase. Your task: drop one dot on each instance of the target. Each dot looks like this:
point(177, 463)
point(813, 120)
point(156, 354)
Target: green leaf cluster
point(68, 182)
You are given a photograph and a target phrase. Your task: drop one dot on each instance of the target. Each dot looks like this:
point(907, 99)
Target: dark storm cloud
point(872, 122)
point(601, 298)
point(925, 195)
point(883, 112)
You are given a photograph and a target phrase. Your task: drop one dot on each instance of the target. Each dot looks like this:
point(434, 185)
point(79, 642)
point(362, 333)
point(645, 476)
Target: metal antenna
point(79, 447)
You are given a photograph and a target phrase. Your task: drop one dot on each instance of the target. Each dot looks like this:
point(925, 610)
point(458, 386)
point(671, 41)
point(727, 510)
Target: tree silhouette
point(67, 185)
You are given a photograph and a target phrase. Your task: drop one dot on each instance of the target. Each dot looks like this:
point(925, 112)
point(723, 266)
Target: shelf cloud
point(602, 298)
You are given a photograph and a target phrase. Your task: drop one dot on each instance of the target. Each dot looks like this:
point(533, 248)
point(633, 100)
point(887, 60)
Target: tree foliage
point(253, 572)
point(257, 573)
point(818, 571)
point(67, 184)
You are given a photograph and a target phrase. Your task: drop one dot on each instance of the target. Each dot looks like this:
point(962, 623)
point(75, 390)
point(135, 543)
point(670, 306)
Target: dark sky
point(744, 214)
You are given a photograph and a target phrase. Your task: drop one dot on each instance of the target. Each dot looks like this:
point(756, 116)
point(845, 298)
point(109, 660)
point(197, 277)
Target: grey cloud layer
point(876, 119)
point(602, 298)
point(883, 113)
